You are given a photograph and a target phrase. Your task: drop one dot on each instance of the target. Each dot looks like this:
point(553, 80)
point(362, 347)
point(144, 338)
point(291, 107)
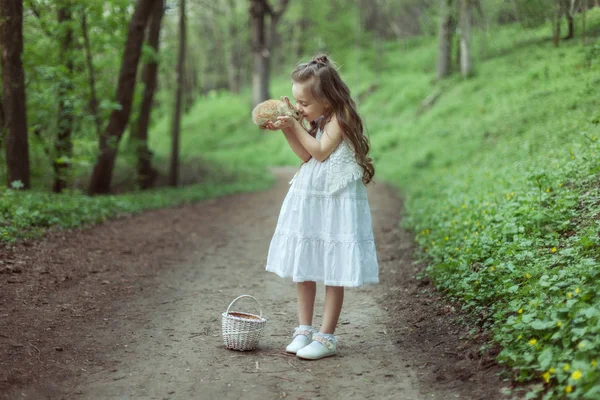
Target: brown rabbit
point(271, 109)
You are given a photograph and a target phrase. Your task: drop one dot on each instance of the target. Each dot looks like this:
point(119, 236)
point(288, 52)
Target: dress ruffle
point(299, 258)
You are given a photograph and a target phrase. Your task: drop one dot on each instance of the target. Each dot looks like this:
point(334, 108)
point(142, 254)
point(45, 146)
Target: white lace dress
point(324, 232)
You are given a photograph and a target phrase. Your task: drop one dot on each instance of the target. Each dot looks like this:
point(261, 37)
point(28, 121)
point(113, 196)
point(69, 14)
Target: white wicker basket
point(242, 330)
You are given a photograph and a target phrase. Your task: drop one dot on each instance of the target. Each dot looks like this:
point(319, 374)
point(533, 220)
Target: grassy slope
point(501, 181)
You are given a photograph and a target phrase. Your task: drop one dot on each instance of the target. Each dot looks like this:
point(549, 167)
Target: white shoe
point(321, 346)
point(302, 338)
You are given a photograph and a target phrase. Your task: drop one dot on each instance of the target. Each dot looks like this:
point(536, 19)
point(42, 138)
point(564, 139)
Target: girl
point(324, 230)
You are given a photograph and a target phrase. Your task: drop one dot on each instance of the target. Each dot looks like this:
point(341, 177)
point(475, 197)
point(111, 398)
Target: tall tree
point(263, 44)
point(91, 73)
point(190, 83)
point(109, 141)
point(174, 165)
point(569, 11)
point(273, 38)
point(445, 30)
point(233, 48)
point(556, 22)
point(302, 28)
point(466, 57)
point(260, 70)
point(147, 174)
point(567, 8)
point(2, 130)
point(63, 146)
point(13, 79)
point(584, 8)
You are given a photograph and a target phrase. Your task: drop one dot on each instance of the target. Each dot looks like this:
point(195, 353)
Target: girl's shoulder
point(332, 126)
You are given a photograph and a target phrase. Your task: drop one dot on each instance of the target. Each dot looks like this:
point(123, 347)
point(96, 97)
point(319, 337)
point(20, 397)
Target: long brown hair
point(329, 89)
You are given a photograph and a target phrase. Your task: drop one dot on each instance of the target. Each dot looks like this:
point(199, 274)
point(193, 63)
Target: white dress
point(324, 232)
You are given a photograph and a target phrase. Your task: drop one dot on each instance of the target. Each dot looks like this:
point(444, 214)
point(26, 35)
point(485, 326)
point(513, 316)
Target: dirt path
point(132, 309)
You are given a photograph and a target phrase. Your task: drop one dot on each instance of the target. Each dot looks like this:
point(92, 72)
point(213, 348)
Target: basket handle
point(242, 296)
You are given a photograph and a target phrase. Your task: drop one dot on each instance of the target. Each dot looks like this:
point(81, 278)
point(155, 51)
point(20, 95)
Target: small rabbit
point(271, 109)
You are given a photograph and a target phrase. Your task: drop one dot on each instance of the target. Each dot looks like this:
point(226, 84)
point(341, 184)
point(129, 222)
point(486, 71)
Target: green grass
point(30, 214)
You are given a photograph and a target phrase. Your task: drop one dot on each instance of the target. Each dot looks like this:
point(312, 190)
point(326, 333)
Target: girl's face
point(308, 106)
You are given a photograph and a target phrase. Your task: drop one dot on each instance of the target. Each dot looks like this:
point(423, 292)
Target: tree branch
point(43, 26)
point(268, 7)
point(283, 4)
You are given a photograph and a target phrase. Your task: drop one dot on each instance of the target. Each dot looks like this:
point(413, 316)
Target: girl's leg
point(306, 302)
point(334, 298)
point(324, 343)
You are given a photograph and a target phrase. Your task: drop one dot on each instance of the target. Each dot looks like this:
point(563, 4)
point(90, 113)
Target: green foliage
point(219, 129)
point(501, 179)
point(46, 71)
point(30, 214)
point(529, 13)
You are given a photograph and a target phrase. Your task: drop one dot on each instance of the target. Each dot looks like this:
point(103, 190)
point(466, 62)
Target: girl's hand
point(286, 122)
point(273, 127)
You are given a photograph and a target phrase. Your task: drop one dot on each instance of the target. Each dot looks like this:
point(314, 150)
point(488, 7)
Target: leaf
point(579, 332)
point(541, 325)
point(591, 312)
point(531, 395)
point(540, 217)
point(528, 357)
point(545, 358)
point(544, 281)
point(593, 393)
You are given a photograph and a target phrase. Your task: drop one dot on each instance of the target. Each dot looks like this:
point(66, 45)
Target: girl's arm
point(295, 145)
point(292, 140)
point(319, 150)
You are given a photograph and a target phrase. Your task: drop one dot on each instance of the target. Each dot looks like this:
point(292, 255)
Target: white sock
point(328, 336)
point(305, 327)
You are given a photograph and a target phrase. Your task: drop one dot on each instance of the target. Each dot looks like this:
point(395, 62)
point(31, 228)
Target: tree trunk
point(457, 56)
point(109, 141)
point(482, 20)
point(302, 27)
point(13, 78)
point(232, 49)
point(189, 85)
point(92, 75)
point(263, 45)
point(584, 8)
point(466, 58)
point(260, 53)
point(174, 166)
point(445, 32)
point(273, 41)
point(2, 130)
point(556, 24)
point(571, 24)
point(63, 147)
point(274, 38)
point(146, 174)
